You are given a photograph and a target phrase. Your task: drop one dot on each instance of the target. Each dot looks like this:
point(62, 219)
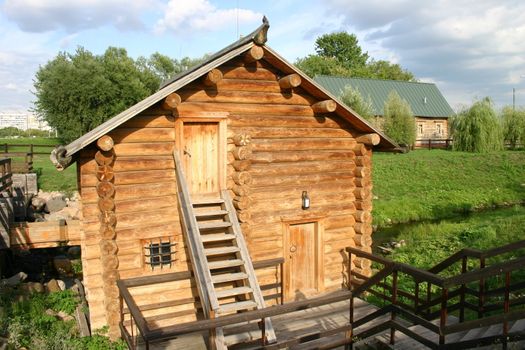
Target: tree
point(513, 125)
point(476, 129)
point(342, 47)
point(385, 70)
point(77, 92)
point(313, 65)
point(353, 99)
point(399, 120)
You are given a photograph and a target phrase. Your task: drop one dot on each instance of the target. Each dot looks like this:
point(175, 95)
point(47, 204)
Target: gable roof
point(62, 155)
point(425, 99)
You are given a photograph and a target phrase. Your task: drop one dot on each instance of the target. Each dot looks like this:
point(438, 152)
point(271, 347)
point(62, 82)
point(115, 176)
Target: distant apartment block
point(22, 120)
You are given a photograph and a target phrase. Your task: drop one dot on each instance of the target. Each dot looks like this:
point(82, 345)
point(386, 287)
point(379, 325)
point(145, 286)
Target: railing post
point(443, 315)
point(463, 289)
point(481, 294)
point(506, 308)
point(394, 302)
point(416, 297)
point(281, 272)
point(429, 297)
point(350, 332)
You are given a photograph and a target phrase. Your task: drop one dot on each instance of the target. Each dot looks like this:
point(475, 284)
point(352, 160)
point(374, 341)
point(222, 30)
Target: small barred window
point(159, 253)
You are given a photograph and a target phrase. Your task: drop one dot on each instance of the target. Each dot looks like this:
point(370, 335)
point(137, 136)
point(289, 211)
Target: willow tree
point(399, 121)
point(513, 125)
point(353, 99)
point(477, 128)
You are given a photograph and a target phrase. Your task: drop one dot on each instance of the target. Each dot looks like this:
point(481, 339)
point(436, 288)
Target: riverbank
point(426, 185)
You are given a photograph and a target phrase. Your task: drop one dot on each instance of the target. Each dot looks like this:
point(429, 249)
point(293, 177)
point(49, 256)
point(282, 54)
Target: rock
point(74, 288)
point(51, 312)
point(62, 264)
point(55, 204)
point(32, 287)
point(61, 284)
point(64, 317)
point(52, 286)
point(38, 203)
point(14, 280)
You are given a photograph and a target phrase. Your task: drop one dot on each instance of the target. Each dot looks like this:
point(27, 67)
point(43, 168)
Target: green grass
point(425, 185)
point(49, 179)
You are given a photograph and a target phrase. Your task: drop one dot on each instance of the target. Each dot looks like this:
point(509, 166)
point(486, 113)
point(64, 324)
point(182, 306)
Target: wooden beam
point(254, 54)
point(105, 143)
point(171, 101)
point(369, 139)
point(290, 81)
point(326, 106)
point(213, 77)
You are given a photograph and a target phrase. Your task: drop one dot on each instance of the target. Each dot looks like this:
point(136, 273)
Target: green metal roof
point(425, 99)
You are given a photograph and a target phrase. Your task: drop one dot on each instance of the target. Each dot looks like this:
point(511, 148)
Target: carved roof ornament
point(261, 36)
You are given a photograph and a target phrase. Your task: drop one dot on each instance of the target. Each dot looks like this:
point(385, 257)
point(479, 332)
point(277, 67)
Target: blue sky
point(469, 48)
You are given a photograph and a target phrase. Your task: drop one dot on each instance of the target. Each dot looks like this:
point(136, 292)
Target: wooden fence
point(6, 180)
point(433, 143)
point(22, 155)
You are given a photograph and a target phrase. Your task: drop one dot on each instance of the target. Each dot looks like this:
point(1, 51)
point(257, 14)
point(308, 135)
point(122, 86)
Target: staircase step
point(210, 213)
point(518, 326)
point(241, 305)
point(217, 237)
point(208, 201)
point(229, 277)
point(213, 265)
point(233, 291)
point(220, 251)
point(213, 225)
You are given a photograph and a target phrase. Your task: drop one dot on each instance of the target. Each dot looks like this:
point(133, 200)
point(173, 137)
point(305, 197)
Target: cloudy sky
point(469, 48)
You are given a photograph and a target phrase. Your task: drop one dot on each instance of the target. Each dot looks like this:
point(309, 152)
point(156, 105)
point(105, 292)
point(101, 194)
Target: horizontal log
point(242, 152)
point(135, 205)
point(106, 204)
point(363, 182)
point(273, 215)
point(362, 192)
point(362, 263)
point(125, 135)
point(249, 73)
point(339, 246)
point(286, 132)
point(105, 173)
point(361, 150)
point(312, 167)
point(105, 143)
point(241, 139)
point(255, 53)
point(127, 220)
point(107, 232)
point(110, 262)
point(244, 216)
point(363, 205)
point(369, 139)
point(242, 165)
point(343, 233)
point(364, 172)
point(243, 202)
point(278, 203)
point(327, 106)
point(172, 101)
point(133, 177)
point(336, 222)
point(241, 190)
point(364, 228)
point(245, 108)
point(246, 97)
point(302, 144)
point(104, 157)
point(290, 81)
point(141, 191)
point(108, 247)
point(298, 156)
point(363, 216)
point(314, 190)
point(106, 218)
point(362, 240)
point(303, 179)
point(105, 189)
point(144, 149)
point(241, 85)
point(133, 164)
point(238, 121)
point(242, 178)
point(213, 77)
point(143, 120)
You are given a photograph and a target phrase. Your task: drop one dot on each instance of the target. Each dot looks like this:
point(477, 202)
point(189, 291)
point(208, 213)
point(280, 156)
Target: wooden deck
point(304, 323)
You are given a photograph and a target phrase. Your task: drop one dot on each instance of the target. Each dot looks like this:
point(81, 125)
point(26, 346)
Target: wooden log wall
point(277, 147)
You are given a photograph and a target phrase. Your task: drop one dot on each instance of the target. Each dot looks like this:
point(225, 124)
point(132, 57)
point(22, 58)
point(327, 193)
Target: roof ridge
point(373, 79)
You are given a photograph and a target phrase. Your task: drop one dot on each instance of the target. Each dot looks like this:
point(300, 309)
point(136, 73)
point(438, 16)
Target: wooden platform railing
point(28, 148)
point(6, 176)
point(134, 325)
point(465, 292)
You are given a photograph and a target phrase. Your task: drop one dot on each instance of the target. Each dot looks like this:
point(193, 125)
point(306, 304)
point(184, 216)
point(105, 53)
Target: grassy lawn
point(49, 179)
point(423, 184)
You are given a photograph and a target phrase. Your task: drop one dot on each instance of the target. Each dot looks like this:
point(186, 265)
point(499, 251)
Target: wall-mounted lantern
point(305, 200)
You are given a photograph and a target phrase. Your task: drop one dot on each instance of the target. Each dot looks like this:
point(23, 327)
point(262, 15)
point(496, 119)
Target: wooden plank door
point(200, 156)
point(303, 272)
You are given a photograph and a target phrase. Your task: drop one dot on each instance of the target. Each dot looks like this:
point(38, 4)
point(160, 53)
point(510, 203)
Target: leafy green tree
point(399, 120)
point(342, 47)
point(513, 125)
point(313, 65)
point(353, 99)
point(164, 67)
point(477, 129)
point(385, 70)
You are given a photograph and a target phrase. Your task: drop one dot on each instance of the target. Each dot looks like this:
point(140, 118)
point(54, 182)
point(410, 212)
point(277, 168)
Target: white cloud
point(73, 16)
point(185, 17)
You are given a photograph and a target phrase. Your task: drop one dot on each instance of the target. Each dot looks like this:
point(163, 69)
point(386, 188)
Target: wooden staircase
point(221, 263)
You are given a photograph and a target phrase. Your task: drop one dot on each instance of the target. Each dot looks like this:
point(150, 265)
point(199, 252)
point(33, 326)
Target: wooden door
point(303, 270)
point(200, 147)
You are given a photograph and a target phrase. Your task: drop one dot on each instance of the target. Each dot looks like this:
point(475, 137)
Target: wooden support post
point(394, 302)
point(369, 139)
point(254, 54)
point(105, 143)
point(290, 81)
point(171, 101)
point(327, 106)
point(443, 315)
point(213, 77)
point(463, 291)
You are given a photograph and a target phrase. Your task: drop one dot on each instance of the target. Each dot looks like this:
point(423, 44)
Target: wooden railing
point(444, 295)
point(133, 320)
point(22, 155)
point(6, 178)
point(433, 143)
point(29, 148)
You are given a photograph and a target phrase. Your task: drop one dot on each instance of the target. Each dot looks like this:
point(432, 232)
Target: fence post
point(481, 294)
point(506, 307)
point(443, 315)
point(394, 302)
point(463, 289)
point(429, 144)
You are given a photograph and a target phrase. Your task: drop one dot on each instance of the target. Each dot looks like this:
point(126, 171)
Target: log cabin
point(240, 159)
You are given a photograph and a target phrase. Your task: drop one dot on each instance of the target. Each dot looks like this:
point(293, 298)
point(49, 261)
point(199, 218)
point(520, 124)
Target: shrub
point(399, 120)
point(353, 99)
point(477, 129)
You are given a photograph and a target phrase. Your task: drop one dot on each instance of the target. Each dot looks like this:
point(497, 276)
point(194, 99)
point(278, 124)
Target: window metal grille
point(160, 253)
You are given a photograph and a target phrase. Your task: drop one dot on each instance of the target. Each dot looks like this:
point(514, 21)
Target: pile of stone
point(53, 206)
